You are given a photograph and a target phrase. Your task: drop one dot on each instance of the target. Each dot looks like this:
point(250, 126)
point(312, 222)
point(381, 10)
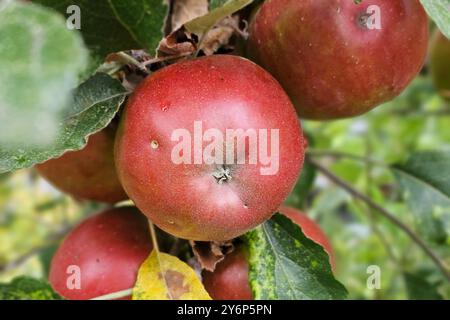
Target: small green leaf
point(110, 26)
point(203, 24)
point(40, 61)
point(439, 11)
point(285, 264)
point(143, 19)
point(24, 288)
point(96, 102)
point(425, 180)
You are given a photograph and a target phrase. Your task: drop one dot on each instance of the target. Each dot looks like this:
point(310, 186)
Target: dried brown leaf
point(178, 42)
point(187, 10)
point(220, 35)
point(209, 254)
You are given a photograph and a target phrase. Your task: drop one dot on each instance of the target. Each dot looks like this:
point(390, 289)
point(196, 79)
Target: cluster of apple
point(209, 148)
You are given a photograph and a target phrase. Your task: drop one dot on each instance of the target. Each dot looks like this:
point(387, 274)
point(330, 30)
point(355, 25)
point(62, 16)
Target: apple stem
point(156, 249)
point(222, 175)
point(363, 19)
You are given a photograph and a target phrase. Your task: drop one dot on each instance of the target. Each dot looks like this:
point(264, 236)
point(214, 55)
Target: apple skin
point(440, 63)
point(108, 248)
point(329, 62)
point(88, 174)
point(186, 200)
point(229, 281)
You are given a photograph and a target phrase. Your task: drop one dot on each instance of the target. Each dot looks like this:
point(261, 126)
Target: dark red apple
point(340, 58)
point(197, 192)
point(104, 252)
point(440, 63)
point(89, 173)
point(229, 281)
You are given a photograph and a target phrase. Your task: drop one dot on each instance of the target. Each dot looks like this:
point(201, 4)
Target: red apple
point(89, 173)
point(229, 281)
point(340, 58)
point(440, 63)
point(197, 192)
point(104, 252)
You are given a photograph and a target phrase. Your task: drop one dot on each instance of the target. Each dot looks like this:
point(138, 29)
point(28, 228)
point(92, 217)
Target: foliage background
point(34, 216)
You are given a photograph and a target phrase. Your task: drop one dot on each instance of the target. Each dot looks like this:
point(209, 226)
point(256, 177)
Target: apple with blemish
point(209, 148)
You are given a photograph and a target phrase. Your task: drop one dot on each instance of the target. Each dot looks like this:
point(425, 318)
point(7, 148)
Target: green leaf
point(425, 180)
point(439, 11)
point(115, 25)
point(143, 19)
point(40, 61)
point(285, 264)
point(24, 288)
point(213, 4)
point(419, 288)
point(96, 102)
point(203, 24)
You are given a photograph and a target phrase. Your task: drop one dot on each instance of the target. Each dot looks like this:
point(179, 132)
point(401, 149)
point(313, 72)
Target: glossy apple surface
point(337, 58)
point(106, 251)
point(205, 200)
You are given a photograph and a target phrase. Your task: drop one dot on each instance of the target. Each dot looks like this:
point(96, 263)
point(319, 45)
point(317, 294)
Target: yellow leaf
point(167, 278)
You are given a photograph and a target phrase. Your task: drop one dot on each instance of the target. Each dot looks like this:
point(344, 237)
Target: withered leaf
point(220, 35)
point(165, 277)
point(187, 10)
point(209, 254)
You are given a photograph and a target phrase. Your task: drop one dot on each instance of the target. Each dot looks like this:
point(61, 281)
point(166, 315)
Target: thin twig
point(166, 58)
point(35, 250)
point(370, 210)
point(422, 113)
point(385, 213)
point(340, 155)
point(444, 108)
point(156, 249)
point(21, 259)
point(115, 295)
point(129, 59)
